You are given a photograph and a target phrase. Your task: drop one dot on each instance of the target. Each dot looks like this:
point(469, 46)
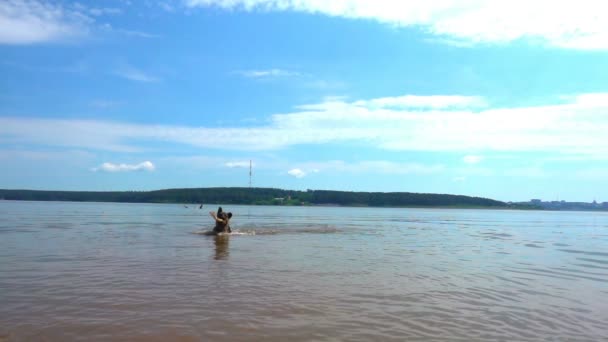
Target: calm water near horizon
point(139, 272)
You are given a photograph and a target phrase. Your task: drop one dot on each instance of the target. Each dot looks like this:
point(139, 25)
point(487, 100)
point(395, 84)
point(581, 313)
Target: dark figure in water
point(201, 207)
point(222, 221)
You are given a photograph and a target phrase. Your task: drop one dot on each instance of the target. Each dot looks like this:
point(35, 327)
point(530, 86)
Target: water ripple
point(135, 272)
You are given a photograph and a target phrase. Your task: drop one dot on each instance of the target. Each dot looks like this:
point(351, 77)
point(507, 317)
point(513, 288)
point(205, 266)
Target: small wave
point(257, 232)
point(327, 230)
point(566, 274)
point(601, 254)
point(242, 233)
point(586, 266)
point(212, 233)
point(603, 262)
point(497, 234)
point(273, 231)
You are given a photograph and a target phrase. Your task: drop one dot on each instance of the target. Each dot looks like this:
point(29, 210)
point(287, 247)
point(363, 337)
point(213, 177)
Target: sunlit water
point(138, 272)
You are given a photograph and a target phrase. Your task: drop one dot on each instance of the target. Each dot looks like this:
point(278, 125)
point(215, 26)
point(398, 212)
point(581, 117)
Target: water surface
point(139, 272)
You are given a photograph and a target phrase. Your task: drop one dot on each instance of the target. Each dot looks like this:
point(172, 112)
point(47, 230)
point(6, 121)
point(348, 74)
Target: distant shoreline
point(329, 205)
point(193, 204)
point(268, 196)
point(326, 205)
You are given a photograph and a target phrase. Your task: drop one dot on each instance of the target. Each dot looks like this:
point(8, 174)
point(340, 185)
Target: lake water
point(138, 272)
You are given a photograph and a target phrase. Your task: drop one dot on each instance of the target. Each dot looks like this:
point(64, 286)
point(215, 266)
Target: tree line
point(260, 196)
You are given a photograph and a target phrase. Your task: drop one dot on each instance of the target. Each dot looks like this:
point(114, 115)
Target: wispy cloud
point(572, 24)
point(529, 172)
point(472, 159)
point(193, 162)
point(325, 85)
point(110, 167)
point(37, 21)
point(373, 167)
point(99, 11)
point(129, 33)
point(138, 34)
point(304, 169)
point(238, 164)
point(592, 173)
point(79, 67)
point(574, 127)
point(131, 73)
point(105, 104)
point(267, 73)
point(166, 6)
point(86, 134)
point(64, 156)
point(430, 102)
point(32, 21)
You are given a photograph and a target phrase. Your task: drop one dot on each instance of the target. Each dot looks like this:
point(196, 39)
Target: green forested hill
point(258, 196)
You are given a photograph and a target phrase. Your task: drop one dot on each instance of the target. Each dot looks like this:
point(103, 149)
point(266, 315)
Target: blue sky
point(507, 100)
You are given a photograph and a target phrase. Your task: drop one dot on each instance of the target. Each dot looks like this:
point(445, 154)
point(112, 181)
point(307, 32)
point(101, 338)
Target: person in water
point(222, 221)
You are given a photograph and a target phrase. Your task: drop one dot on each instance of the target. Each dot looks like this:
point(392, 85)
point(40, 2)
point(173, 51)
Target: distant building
point(563, 205)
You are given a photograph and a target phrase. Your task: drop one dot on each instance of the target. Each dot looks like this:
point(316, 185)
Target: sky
point(500, 99)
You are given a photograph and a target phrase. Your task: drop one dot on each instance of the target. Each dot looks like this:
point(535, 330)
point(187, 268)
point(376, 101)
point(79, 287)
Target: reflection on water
point(135, 272)
point(221, 246)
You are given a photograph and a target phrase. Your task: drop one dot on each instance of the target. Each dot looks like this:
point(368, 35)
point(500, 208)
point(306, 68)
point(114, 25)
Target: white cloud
point(32, 21)
point(133, 74)
point(569, 24)
point(591, 99)
point(267, 73)
point(38, 21)
point(137, 34)
point(373, 166)
point(110, 167)
point(297, 173)
point(105, 11)
point(577, 128)
point(430, 102)
point(238, 164)
point(108, 28)
point(472, 159)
